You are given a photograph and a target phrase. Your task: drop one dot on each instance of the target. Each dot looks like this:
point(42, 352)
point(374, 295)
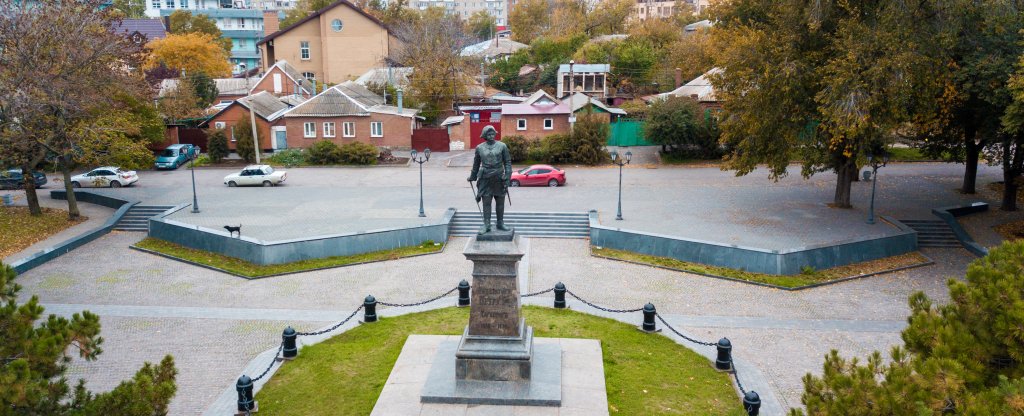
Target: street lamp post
point(876, 161)
point(620, 163)
point(421, 159)
point(195, 200)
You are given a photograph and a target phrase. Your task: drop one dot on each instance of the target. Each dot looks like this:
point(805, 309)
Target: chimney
point(679, 77)
point(270, 22)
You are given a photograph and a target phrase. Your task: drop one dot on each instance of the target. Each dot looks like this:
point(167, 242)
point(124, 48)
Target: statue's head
point(489, 134)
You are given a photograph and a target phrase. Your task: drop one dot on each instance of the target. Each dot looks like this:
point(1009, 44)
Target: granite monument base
point(543, 387)
point(497, 235)
point(495, 358)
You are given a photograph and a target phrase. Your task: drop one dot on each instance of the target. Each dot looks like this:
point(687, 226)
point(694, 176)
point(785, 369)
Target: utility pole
point(483, 78)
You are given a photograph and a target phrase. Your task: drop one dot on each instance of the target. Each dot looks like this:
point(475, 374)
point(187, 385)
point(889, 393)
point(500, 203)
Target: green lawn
point(906, 154)
point(247, 269)
point(19, 229)
point(645, 374)
point(808, 277)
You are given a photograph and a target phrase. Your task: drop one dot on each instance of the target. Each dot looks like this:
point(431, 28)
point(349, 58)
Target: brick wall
point(534, 125)
point(232, 115)
point(397, 130)
point(267, 83)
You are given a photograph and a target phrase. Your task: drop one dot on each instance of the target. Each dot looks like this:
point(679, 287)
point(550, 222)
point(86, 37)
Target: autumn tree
point(180, 101)
point(302, 9)
point(529, 19)
point(36, 355)
point(680, 126)
point(818, 82)
point(205, 89)
point(480, 25)
point(435, 41)
point(1009, 150)
point(242, 136)
point(964, 357)
point(189, 52)
point(693, 53)
point(183, 21)
point(130, 9)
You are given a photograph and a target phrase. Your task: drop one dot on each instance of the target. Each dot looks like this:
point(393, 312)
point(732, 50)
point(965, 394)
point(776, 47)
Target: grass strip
point(244, 268)
point(645, 374)
point(807, 277)
point(19, 229)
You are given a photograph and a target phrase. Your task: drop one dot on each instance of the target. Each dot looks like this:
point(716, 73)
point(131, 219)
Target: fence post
point(244, 388)
point(559, 295)
point(649, 313)
point(463, 293)
point(288, 338)
point(724, 361)
point(370, 309)
point(752, 403)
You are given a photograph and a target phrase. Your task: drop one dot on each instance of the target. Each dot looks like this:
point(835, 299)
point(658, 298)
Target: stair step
point(532, 224)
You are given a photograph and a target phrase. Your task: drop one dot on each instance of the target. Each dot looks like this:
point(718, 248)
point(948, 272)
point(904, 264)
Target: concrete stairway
point(135, 218)
point(933, 233)
point(531, 224)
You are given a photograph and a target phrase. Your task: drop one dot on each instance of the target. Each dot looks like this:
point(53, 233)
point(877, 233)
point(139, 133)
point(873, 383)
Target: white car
point(103, 177)
point(262, 175)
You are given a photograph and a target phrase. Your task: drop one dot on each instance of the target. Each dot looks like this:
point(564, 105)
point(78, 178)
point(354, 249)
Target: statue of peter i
point(492, 165)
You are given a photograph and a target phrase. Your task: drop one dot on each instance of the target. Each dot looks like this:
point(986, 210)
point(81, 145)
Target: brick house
point(539, 116)
point(347, 113)
point(282, 79)
point(269, 122)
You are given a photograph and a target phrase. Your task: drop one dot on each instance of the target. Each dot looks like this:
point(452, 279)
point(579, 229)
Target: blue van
point(176, 155)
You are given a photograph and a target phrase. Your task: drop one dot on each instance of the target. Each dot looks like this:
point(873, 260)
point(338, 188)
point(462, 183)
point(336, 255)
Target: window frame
point(304, 53)
point(521, 124)
point(332, 130)
point(309, 130)
point(549, 124)
point(379, 126)
point(348, 129)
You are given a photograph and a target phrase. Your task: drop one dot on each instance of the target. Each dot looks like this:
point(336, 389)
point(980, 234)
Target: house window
point(336, 25)
point(241, 23)
point(156, 4)
point(304, 49)
point(309, 75)
point(233, 134)
point(376, 129)
point(348, 129)
point(328, 129)
point(170, 4)
point(309, 129)
point(521, 124)
point(549, 124)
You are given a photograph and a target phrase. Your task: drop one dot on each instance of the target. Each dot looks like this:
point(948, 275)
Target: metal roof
point(151, 28)
point(399, 76)
point(263, 103)
point(493, 47)
point(699, 88)
point(564, 68)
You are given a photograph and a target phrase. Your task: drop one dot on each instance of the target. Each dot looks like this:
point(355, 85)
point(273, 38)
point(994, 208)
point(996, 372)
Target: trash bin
point(8, 200)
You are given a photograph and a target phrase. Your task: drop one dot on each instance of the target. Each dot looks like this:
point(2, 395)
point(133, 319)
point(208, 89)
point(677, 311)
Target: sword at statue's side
point(507, 194)
point(475, 197)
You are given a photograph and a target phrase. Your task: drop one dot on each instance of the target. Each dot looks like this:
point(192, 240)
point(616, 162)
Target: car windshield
point(168, 153)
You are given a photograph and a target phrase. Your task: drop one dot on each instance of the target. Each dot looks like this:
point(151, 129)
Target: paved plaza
point(214, 324)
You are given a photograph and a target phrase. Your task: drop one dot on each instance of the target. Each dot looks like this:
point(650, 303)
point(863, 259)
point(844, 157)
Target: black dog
point(233, 230)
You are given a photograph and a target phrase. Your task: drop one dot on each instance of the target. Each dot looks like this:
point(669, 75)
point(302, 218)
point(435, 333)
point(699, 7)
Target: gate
point(434, 138)
point(195, 137)
point(627, 133)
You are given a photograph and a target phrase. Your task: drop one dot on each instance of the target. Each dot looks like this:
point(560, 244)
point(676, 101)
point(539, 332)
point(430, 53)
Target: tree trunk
point(844, 179)
point(73, 213)
point(1009, 191)
point(1013, 167)
point(29, 183)
point(971, 151)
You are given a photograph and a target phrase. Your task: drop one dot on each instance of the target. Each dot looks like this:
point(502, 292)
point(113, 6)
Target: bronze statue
point(496, 163)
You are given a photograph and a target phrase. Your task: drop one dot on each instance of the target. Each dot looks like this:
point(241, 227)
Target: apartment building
point(465, 8)
point(645, 9)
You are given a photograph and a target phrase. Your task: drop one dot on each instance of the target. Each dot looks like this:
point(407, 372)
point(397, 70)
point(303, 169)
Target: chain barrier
point(537, 293)
point(602, 308)
point(736, 375)
point(278, 354)
point(404, 305)
point(710, 344)
point(336, 326)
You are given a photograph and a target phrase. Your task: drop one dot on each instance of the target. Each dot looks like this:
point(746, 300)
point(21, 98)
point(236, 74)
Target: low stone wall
point(50, 253)
point(949, 214)
point(286, 251)
point(752, 259)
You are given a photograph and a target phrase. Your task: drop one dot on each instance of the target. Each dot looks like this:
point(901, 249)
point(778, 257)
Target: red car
point(539, 175)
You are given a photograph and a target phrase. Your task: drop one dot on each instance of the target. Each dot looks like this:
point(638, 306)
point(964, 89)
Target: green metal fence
point(627, 133)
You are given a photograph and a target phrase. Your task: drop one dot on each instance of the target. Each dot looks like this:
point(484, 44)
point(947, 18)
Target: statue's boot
point(500, 208)
point(487, 220)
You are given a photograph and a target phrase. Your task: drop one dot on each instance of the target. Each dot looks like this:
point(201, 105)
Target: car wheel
point(232, 184)
point(553, 183)
point(76, 185)
point(267, 184)
point(514, 183)
point(115, 184)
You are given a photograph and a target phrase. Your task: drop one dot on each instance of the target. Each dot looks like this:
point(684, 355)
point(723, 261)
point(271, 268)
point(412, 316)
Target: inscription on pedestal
point(495, 306)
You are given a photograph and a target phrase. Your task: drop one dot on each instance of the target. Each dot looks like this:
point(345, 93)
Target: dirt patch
point(19, 229)
point(1011, 230)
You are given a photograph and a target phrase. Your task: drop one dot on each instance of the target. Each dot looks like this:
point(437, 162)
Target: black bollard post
point(290, 350)
point(649, 312)
point(724, 361)
point(370, 309)
point(559, 295)
point(752, 403)
point(463, 293)
point(244, 388)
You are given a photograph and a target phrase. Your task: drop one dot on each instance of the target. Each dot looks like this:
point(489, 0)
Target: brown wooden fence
point(434, 138)
point(195, 137)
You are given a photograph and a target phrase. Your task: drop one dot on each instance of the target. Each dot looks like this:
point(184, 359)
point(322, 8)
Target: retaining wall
point(286, 251)
point(949, 214)
point(752, 259)
point(50, 253)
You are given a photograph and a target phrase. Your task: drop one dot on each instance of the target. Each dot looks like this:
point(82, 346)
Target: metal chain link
point(403, 305)
point(333, 327)
point(602, 308)
point(537, 293)
point(736, 375)
point(710, 344)
point(278, 354)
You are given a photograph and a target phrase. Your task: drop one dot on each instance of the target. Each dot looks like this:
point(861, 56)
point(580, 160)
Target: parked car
point(107, 176)
point(13, 179)
point(262, 175)
point(539, 175)
point(176, 155)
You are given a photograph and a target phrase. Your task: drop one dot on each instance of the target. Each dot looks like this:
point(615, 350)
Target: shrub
point(358, 153)
point(682, 128)
point(217, 145)
point(324, 152)
point(518, 147)
point(202, 160)
point(244, 146)
point(288, 157)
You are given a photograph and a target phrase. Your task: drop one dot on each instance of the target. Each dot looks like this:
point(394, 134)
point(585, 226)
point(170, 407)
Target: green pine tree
point(244, 146)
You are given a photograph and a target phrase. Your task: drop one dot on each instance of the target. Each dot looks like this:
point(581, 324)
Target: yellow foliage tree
point(189, 52)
